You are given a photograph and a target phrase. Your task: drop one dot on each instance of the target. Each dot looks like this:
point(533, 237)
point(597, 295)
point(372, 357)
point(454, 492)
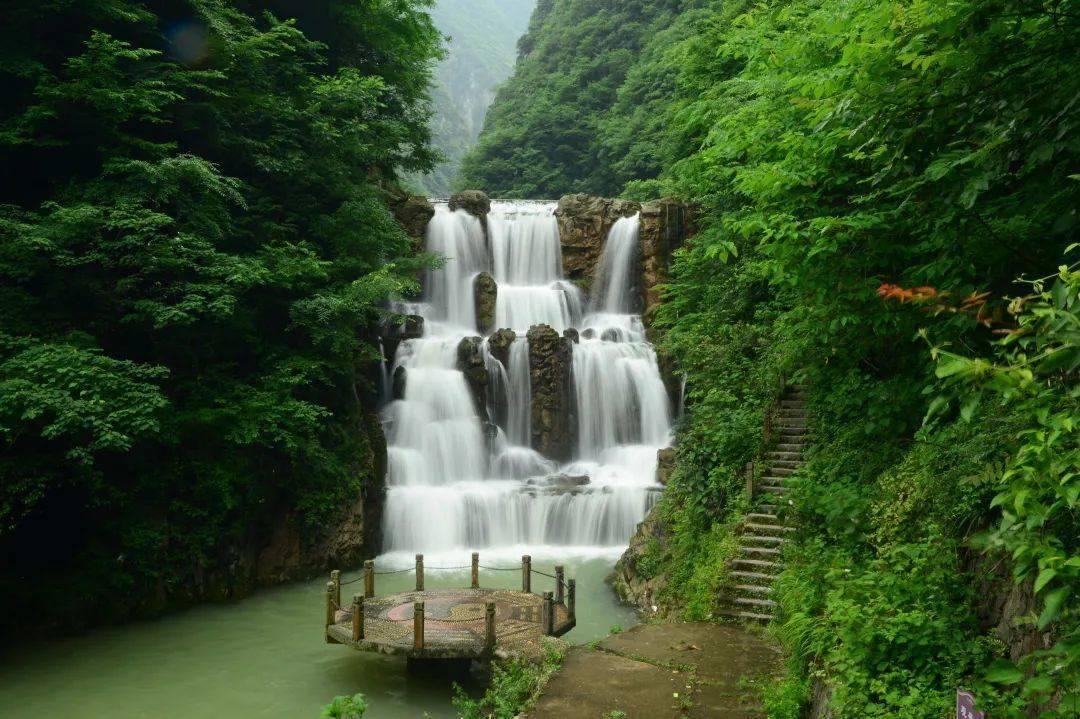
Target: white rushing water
point(456, 484)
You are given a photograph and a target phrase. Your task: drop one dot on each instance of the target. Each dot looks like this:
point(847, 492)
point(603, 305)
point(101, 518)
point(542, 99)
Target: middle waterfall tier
point(546, 430)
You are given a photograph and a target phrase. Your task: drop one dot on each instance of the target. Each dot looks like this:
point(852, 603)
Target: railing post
point(549, 614)
point(335, 577)
point(357, 618)
point(560, 572)
point(750, 490)
point(526, 574)
point(330, 609)
point(419, 572)
point(476, 570)
point(489, 626)
point(418, 625)
point(571, 600)
point(369, 579)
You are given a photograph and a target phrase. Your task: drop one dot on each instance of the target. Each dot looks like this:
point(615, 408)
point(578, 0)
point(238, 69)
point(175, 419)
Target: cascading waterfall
point(456, 484)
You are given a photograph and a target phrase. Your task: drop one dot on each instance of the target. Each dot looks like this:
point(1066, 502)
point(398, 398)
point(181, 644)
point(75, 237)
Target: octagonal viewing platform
point(468, 623)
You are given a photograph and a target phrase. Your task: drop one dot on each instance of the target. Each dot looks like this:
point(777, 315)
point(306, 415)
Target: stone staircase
point(764, 529)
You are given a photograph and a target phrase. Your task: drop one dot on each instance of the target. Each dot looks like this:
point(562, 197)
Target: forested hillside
point(196, 241)
point(583, 110)
point(888, 197)
point(480, 56)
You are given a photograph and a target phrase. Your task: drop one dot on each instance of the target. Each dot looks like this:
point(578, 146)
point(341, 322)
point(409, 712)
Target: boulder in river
point(499, 345)
point(554, 416)
point(471, 363)
point(485, 294)
point(475, 202)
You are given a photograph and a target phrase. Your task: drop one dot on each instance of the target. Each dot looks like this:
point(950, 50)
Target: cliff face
point(584, 223)
point(665, 226)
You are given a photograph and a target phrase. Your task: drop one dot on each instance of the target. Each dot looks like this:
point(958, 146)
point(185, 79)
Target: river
point(260, 658)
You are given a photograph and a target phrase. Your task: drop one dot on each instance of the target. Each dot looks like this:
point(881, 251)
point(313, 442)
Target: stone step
point(759, 516)
point(793, 432)
point(768, 508)
point(791, 464)
point(784, 456)
point(767, 528)
point(756, 563)
point(781, 471)
point(759, 551)
point(767, 578)
point(773, 489)
point(790, 446)
point(754, 602)
point(745, 615)
point(791, 423)
point(761, 539)
point(792, 404)
point(754, 588)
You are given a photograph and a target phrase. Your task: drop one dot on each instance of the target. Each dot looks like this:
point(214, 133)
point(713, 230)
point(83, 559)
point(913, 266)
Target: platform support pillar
point(419, 572)
point(489, 627)
point(526, 574)
point(560, 583)
point(357, 618)
point(476, 570)
point(571, 600)
point(369, 579)
point(418, 625)
point(330, 609)
point(549, 613)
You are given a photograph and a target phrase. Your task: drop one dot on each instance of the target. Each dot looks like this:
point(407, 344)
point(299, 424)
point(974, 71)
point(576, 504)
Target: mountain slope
point(581, 113)
point(482, 45)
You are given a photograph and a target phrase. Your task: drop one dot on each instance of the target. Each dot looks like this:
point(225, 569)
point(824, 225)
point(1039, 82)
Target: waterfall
point(614, 286)
point(456, 484)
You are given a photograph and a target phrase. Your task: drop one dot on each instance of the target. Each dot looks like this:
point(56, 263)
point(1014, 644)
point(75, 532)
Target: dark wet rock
point(554, 418)
point(584, 223)
point(394, 333)
point(588, 334)
point(665, 226)
point(572, 335)
point(471, 364)
point(398, 385)
point(665, 465)
point(499, 345)
point(486, 295)
point(413, 212)
point(633, 579)
point(474, 202)
point(561, 481)
point(610, 335)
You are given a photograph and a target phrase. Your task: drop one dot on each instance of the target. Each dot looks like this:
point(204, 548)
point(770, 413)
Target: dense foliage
point(515, 685)
point(841, 146)
point(195, 244)
point(874, 177)
point(583, 112)
point(480, 55)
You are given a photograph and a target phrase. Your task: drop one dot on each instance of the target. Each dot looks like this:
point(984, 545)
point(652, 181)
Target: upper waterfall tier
point(465, 430)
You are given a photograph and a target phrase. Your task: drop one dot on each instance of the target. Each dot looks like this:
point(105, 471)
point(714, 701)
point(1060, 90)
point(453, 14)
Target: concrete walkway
point(663, 671)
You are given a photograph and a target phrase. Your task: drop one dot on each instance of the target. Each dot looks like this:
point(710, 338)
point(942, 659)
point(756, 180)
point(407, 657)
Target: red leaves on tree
point(974, 305)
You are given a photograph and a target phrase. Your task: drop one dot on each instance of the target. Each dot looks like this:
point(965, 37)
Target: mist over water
point(457, 484)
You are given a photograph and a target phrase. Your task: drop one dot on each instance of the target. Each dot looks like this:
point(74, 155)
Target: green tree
point(193, 262)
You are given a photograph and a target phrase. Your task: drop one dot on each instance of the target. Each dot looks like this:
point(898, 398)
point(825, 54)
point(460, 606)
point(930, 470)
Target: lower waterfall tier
point(478, 515)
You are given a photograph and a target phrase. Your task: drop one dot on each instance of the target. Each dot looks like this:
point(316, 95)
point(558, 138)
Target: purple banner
point(965, 706)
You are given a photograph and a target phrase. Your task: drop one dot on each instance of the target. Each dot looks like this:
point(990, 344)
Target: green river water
point(260, 658)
